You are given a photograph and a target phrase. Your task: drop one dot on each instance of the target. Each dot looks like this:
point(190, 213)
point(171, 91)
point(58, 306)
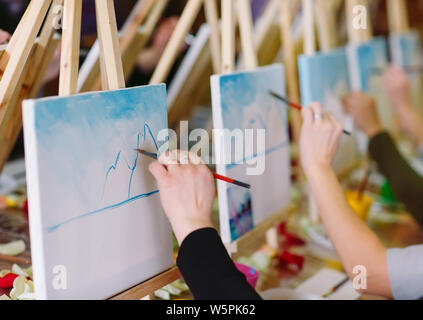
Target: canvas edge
point(225, 233)
point(35, 219)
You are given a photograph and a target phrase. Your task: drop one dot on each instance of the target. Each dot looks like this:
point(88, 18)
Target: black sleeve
point(209, 271)
point(405, 182)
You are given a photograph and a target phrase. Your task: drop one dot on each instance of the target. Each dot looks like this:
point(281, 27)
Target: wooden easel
point(132, 40)
point(291, 66)
point(194, 88)
point(398, 17)
point(326, 25)
point(23, 66)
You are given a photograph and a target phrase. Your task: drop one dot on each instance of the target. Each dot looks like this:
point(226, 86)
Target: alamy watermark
point(228, 147)
point(359, 21)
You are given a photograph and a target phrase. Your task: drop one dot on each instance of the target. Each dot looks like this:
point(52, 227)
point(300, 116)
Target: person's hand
point(363, 109)
point(187, 191)
point(4, 36)
point(319, 139)
point(397, 86)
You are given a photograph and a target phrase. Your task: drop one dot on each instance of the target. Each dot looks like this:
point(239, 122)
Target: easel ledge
point(148, 287)
point(254, 240)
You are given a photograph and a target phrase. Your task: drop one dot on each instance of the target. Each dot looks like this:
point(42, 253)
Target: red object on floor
point(25, 207)
point(290, 259)
point(7, 281)
point(289, 239)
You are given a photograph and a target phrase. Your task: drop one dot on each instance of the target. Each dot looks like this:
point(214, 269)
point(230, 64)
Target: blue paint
point(316, 81)
point(369, 56)
point(111, 207)
point(259, 155)
point(113, 167)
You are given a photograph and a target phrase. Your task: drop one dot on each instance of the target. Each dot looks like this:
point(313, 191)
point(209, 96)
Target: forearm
point(399, 174)
point(354, 242)
point(208, 269)
point(411, 122)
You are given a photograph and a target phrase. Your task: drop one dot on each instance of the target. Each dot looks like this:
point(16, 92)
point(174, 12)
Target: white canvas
point(94, 208)
point(242, 101)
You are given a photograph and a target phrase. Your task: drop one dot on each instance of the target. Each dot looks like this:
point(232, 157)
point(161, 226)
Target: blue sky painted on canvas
point(315, 78)
point(371, 55)
point(244, 91)
point(411, 50)
point(86, 148)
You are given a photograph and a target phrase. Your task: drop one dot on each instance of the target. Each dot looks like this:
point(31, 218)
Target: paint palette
point(242, 107)
point(97, 227)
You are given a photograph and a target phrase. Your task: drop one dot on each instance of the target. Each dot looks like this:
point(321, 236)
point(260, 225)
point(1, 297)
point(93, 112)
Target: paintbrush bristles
point(296, 106)
point(146, 153)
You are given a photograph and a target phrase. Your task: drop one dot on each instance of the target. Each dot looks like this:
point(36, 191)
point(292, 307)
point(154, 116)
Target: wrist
point(374, 130)
point(315, 170)
point(182, 228)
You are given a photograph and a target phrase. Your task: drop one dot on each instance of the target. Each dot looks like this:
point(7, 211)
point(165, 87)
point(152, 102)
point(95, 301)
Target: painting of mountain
point(243, 106)
point(328, 88)
point(94, 207)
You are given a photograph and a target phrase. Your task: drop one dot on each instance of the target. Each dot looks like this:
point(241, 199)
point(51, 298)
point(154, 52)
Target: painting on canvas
point(95, 217)
point(328, 88)
point(406, 51)
point(365, 61)
point(243, 106)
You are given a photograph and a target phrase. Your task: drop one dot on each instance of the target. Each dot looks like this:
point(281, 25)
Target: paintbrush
point(296, 106)
point(215, 175)
point(15, 259)
point(336, 287)
point(364, 183)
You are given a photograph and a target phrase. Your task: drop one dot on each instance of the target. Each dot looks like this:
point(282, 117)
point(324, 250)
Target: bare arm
point(398, 88)
point(354, 242)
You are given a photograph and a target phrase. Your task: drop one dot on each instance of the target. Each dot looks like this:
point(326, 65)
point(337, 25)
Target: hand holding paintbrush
point(215, 175)
point(295, 106)
point(187, 191)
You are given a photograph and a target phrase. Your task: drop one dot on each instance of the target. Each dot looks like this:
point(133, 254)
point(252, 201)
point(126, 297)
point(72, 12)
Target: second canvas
point(252, 145)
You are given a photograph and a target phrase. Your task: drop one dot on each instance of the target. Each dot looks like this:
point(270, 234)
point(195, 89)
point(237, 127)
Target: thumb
point(158, 171)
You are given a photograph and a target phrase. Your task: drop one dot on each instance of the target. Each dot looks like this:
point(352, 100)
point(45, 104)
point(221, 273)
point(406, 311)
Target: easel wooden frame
point(291, 66)
point(23, 66)
point(398, 17)
point(196, 89)
point(132, 40)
